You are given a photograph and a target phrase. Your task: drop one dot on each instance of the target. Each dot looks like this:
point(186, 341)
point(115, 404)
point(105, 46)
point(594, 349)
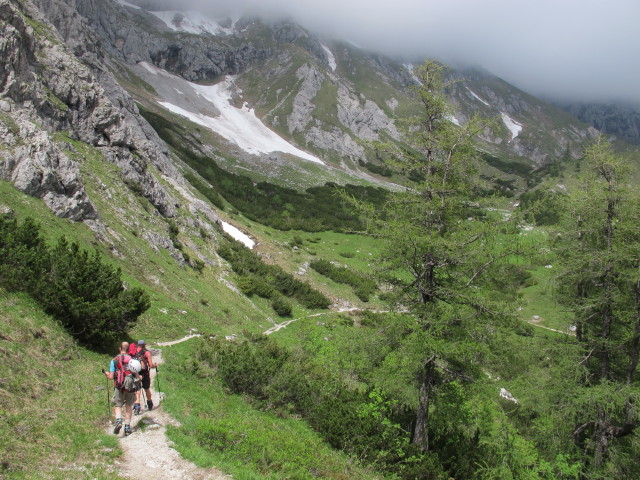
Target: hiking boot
point(150, 404)
point(136, 409)
point(116, 429)
point(127, 430)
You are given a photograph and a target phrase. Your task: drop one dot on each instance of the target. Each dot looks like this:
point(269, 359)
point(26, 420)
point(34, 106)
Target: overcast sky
point(575, 49)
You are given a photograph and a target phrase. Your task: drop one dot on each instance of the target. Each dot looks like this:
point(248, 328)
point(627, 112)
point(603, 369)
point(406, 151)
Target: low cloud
point(569, 49)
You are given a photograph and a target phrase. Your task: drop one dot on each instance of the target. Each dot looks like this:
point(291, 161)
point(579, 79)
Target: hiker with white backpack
point(124, 371)
point(144, 356)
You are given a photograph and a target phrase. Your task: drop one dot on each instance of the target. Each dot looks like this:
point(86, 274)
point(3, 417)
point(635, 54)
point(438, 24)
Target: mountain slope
point(325, 97)
point(621, 120)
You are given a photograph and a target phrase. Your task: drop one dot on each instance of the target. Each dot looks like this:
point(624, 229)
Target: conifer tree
point(600, 284)
point(440, 248)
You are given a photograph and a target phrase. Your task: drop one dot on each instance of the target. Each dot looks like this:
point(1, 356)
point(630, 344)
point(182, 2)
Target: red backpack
point(133, 349)
point(121, 362)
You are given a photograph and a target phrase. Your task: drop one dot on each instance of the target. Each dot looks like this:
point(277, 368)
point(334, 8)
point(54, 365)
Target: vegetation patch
point(269, 281)
point(316, 209)
point(53, 399)
point(226, 431)
point(363, 286)
point(86, 295)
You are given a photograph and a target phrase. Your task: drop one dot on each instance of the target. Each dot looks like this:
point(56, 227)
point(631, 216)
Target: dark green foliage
point(501, 187)
point(382, 170)
point(268, 281)
point(365, 424)
point(73, 285)
point(198, 265)
point(281, 306)
point(543, 207)
point(173, 234)
point(247, 367)
point(316, 209)
point(363, 286)
point(212, 195)
point(515, 168)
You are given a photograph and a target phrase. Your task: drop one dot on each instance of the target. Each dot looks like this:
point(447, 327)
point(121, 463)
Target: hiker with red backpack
point(144, 356)
point(124, 371)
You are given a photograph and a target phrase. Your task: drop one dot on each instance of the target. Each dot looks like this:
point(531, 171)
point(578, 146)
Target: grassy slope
point(209, 306)
point(182, 300)
point(225, 431)
point(53, 400)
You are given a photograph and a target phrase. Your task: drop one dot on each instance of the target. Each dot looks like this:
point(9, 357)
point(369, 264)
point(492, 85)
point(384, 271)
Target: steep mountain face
point(62, 116)
point(620, 120)
point(327, 98)
point(45, 89)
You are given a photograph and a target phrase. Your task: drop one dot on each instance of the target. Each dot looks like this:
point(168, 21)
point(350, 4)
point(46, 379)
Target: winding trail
point(148, 452)
point(537, 324)
point(280, 326)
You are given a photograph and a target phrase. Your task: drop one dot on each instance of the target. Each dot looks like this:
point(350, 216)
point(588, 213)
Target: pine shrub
point(86, 295)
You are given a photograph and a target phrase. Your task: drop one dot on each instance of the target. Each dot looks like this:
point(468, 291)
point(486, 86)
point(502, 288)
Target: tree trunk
point(634, 345)
point(607, 311)
point(421, 433)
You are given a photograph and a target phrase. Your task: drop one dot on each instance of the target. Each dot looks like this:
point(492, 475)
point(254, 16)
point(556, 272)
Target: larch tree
point(440, 244)
point(599, 247)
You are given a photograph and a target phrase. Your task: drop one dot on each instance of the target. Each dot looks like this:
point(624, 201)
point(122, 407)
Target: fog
point(559, 49)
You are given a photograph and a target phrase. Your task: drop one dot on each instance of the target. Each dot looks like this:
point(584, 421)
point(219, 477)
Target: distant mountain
point(323, 97)
point(620, 120)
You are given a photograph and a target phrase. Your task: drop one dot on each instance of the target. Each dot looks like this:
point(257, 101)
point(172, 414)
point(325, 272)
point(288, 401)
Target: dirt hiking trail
point(147, 451)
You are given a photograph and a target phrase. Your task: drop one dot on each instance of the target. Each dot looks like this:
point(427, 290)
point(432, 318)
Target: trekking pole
point(144, 395)
point(107, 389)
point(158, 382)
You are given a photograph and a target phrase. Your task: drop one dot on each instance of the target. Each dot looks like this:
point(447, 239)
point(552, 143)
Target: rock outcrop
point(45, 89)
point(617, 119)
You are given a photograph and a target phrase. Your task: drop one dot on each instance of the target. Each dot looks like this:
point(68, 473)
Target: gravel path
point(148, 452)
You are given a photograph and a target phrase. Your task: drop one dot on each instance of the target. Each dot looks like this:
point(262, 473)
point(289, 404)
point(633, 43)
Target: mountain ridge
point(256, 45)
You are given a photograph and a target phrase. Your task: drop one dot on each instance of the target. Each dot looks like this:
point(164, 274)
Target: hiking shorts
point(146, 378)
point(122, 398)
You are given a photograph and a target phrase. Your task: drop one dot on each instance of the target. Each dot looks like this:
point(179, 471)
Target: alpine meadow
point(344, 265)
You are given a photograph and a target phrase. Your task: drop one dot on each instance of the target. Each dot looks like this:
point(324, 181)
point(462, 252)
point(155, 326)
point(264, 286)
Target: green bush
point(365, 424)
point(86, 295)
point(281, 306)
point(257, 277)
point(362, 286)
point(247, 367)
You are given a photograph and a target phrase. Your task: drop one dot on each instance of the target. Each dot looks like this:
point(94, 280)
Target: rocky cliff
point(619, 120)
point(326, 96)
point(44, 90)
point(61, 110)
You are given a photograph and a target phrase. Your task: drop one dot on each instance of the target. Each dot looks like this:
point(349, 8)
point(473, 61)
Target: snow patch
point(477, 97)
point(514, 127)
point(237, 234)
point(453, 120)
point(149, 68)
point(191, 22)
point(238, 125)
point(330, 57)
point(409, 67)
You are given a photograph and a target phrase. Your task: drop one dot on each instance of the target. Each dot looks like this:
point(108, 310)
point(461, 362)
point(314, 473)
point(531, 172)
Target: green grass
point(539, 300)
point(358, 252)
point(225, 431)
point(53, 400)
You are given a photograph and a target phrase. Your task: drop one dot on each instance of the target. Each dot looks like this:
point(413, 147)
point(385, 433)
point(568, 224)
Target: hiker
point(144, 356)
point(125, 381)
